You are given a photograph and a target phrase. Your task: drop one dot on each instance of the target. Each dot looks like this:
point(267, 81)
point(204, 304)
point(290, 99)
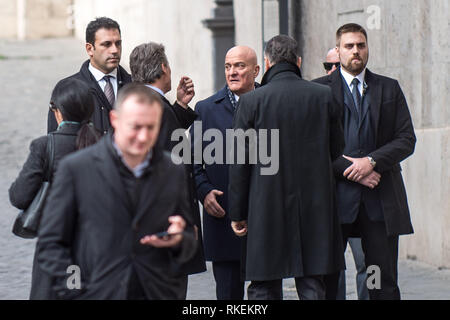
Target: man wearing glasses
point(332, 61)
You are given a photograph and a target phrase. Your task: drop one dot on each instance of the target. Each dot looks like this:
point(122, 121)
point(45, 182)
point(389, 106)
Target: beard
point(355, 68)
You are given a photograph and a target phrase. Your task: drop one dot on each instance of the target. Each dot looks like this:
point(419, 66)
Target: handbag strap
point(50, 156)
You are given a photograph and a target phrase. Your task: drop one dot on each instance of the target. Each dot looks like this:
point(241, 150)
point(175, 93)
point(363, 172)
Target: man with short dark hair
point(331, 64)
point(106, 206)
point(102, 71)
point(379, 134)
point(288, 216)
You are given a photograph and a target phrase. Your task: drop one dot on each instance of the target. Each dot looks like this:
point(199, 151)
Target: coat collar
point(279, 68)
point(68, 129)
point(222, 97)
point(107, 162)
point(122, 78)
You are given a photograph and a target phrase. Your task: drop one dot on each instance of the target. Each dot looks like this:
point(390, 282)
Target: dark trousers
point(361, 275)
point(308, 288)
point(380, 250)
point(229, 285)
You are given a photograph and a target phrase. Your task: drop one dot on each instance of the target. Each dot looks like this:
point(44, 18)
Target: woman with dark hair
point(73, 105)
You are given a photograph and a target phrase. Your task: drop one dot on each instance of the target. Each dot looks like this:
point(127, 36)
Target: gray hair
point(281, 48)
point(146, 62)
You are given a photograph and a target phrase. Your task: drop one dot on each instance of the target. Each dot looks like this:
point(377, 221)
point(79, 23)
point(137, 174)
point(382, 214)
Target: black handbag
point(27, 221)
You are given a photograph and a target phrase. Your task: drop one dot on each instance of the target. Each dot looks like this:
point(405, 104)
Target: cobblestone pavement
point(29, 72)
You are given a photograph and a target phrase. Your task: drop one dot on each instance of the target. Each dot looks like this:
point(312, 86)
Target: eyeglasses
point(329, 65)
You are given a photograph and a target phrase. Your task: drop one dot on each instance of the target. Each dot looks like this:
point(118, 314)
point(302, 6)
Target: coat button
point(104, 132)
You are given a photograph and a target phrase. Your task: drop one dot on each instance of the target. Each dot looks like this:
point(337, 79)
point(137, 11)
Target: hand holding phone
point(169, 238)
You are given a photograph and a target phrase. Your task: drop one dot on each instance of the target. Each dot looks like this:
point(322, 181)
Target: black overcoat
point(88, 222)
point(293, 230)
point(27, 184)
point(395, 141)
point(176, 117)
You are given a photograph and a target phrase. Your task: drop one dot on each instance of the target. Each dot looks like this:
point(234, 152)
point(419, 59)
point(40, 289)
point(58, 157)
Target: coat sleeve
point(202, 183)
point(404, 140)
point(57, 231)
point(185, 116)
point(337, 140)
point(27, 184)
point(239, 174)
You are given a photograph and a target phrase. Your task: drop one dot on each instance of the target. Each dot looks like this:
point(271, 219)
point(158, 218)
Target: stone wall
point(35, 19)
point(175, 23)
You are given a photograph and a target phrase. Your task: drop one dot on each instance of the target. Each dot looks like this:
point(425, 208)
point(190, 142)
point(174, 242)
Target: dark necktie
point(109, 90)
point(232, 98)
point(356, 95)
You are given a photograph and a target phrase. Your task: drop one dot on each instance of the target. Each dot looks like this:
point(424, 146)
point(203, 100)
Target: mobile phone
point(165, 233)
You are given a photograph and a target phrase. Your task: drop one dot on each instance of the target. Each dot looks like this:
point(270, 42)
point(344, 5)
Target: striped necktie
point(109, 90)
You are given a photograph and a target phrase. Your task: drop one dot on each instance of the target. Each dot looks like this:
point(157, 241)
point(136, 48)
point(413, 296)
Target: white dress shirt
point(349, 78)
point(98, 75)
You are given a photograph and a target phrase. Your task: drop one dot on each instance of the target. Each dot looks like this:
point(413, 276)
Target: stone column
point(222, 27)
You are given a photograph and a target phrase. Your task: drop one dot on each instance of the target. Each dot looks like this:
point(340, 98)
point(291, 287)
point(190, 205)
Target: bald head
point(332, 57)
point(241, 69)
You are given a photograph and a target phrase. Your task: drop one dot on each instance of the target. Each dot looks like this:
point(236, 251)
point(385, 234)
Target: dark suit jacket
point(395, 141)
point(221, 244)
point(100, 117)
point(293, 230)
point(176, 117)
point(88, 222)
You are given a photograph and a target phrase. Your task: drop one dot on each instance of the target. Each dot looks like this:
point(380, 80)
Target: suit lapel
point(336, 87)
point(222, 98)
point(374, 89)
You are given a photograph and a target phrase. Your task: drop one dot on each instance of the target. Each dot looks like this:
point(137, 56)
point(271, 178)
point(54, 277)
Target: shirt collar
point(138, 171)
point(349, 77)
point(98, 75)
point(156, 89)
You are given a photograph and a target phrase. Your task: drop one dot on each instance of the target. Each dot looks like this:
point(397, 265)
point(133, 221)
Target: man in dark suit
point(222, 246)
point(378, 135)
point(102, 71)
point(287, 214)
point(149, 65)
point(331, 64)
point(107, 203)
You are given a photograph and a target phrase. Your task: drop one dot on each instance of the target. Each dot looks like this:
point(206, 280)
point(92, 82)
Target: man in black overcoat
point(97, 236)
point(149, 65)
point(102, 72)
point(379, 134)
point(287, 209)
